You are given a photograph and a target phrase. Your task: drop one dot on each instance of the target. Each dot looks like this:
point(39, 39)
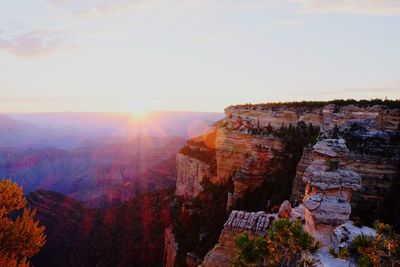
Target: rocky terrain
point(260, 149)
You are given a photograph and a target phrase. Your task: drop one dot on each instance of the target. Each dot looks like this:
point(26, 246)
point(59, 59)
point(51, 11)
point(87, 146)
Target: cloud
point(360, 7)
point(31, 44)
point(287, 22)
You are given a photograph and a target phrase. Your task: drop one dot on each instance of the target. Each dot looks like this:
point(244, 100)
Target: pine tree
point(22, 237)
point(286, 244)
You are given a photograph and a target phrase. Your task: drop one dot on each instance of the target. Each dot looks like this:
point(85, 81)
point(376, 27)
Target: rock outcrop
point(374, 155)
point(344, 234)
point(253, 223)
point(191, 175)
point(248, 116)
point(195, 164)
point(245, 158)
point(329, 186)
point(372, 118)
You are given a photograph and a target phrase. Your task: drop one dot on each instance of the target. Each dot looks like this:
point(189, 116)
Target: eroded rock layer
point(329, 186)
point(255, 224)
point(244, 157)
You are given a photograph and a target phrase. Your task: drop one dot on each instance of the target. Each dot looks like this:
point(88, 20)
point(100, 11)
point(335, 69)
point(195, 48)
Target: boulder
point(285, 210)
point(344, 234)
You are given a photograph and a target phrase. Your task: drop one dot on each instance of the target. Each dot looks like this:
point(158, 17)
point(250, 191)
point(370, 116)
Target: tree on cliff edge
point(21, 237)
point(286, 244)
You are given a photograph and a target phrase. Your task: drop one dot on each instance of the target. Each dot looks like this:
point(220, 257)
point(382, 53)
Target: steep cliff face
point(240, 148)
point(255, 146)
point(244, 157)
point(195, 164)
point(191, 175)
point(298, 185)
point(372, 118)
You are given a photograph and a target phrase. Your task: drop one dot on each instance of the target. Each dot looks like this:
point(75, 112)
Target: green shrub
point(382, 250)
point(286, 244)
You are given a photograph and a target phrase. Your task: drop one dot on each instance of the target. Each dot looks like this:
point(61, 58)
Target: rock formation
point(195, 164)
point(374, 144)
point(191, 175)
point(246, 147)
point(344, 234)
point(253, 223)
point(329, 186)
point(372, 118)
point(244, 157)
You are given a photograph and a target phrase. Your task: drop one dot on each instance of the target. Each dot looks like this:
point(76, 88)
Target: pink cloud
point(31, 44)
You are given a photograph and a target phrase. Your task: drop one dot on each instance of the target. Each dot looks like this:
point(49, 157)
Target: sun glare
point(140, 115)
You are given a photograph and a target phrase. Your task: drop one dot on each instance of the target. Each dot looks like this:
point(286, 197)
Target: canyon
point(161, 200)
point(350, 166)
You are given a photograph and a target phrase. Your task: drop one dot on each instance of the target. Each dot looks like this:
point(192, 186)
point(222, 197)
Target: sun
point(140, 115)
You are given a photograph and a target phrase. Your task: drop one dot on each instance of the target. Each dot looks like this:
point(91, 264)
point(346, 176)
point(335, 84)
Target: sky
point(194, 55)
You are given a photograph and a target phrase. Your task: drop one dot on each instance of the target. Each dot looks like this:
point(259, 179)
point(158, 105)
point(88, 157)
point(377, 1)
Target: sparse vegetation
point(251, 249)
point(382, 250)
point(286, 244)
point(310, 105)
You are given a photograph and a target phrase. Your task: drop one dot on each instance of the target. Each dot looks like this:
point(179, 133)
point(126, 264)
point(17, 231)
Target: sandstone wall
point(191, 174)
point(257, 115)
point(298, 185)
point(372, 118)
point(245, 156)
point(377, 175)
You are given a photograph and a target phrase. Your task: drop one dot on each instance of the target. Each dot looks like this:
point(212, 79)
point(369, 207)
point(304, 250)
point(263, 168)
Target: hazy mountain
point(99, 158)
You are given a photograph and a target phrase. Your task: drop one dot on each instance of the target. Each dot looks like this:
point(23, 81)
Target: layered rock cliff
point(195, 164)
point(244, 158)
point(372, 136)
point(259, 149)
